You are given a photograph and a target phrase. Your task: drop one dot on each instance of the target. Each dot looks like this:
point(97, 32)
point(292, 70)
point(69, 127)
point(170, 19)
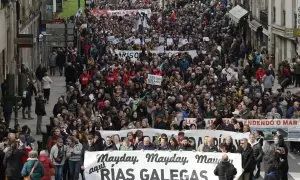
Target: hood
point(224, 163)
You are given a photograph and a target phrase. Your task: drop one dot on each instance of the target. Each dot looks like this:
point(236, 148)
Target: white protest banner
point(288, 128)
point(148, 40)
point(155, 165)
point(110, 38)
point(134, 55)
point(183, 42)
point(160, 49)
point(137, 41)
point(133, 12)
point(161, 39)
point(115, 41)
point(205, 38)
point(154, 79)
point(169, 41)
point(197, 135)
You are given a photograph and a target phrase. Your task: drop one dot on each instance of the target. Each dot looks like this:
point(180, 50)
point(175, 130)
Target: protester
point(46, 82)
point(58, 157)
point(47, 165)
point(13, 161)
point(257, 153)
point(73, 153)
point(225, 170)
point(40, 111)
point(33, 167)
point(248, 161)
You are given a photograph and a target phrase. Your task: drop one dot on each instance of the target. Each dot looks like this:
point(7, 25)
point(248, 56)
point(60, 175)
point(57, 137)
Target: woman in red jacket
point(47, 164)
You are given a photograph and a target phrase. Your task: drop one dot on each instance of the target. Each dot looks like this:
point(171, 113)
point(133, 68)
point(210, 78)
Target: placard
point(155, 165)
point(154, 79)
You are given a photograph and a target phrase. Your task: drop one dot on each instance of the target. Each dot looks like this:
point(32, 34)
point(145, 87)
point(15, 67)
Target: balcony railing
point(264, 19)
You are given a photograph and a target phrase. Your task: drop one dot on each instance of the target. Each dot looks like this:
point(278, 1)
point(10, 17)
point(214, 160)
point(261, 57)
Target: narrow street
point(57, 89)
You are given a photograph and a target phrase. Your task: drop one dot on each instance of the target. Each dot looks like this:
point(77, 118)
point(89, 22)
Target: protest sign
point(105, 12)
point(197, 135)
point(190, 121)
point(151, 165)
point(288, 128)
point(161, 39)
point(154, 79)
point(169, 41)
point(134, 55)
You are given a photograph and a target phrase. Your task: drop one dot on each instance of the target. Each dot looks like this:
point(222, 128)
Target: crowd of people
point(227, 78)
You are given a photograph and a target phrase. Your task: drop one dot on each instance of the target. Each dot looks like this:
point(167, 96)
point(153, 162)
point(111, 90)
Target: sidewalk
point(57, 89)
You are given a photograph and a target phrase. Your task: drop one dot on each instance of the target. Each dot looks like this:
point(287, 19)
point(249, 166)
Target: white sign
point(155, 165)
point(190, 121)
point(169, 41)
point(133, 12)
point(197, 135)
point(154, 80)
point(134, 55)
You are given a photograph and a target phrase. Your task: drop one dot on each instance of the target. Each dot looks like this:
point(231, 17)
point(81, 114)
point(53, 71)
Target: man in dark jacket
point(40, 112)
point(109, 145)
point(248, 161)
point(61, 60)
point(27, 99)
point(257, 153)
point(225, 170)
point(13, 162)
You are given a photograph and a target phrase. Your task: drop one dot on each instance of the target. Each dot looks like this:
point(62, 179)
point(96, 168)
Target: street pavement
point(58, 89)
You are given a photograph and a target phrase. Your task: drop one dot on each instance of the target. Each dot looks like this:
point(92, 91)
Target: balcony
point(264, 19)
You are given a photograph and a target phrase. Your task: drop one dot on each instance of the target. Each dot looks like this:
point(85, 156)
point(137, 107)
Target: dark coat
point(2, 169)
point(97, 146)
point(111, 147)
point(27, 101)
point(40, 107)
point(225, 170)
point(13, 163)
point(248, 161)
point(70, 74)
point(257, 152)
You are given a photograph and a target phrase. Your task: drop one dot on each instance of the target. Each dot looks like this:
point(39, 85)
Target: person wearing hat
point(33, 167)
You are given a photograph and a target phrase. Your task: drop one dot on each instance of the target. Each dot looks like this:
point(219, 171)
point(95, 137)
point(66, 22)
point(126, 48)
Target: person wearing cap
point(225, 170)
point(33, 167)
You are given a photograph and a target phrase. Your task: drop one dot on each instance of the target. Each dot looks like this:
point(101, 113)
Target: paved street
point(58, 89)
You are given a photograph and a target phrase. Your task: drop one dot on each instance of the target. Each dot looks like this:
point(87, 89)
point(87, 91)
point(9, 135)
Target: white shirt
point(46, 82)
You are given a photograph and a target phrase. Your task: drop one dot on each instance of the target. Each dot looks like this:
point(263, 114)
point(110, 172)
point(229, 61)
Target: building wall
point(29, 24)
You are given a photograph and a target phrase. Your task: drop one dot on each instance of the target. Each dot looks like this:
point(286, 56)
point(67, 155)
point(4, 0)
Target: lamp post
point(78, 4)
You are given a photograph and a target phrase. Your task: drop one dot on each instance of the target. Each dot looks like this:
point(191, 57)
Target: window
point(283, 18)
point(274, 14)
point(295, 20)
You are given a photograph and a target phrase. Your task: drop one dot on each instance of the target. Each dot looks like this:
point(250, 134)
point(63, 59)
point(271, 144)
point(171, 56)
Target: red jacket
point(24, 158)
point(84, 79)
point(47, 164)
point(260, 74)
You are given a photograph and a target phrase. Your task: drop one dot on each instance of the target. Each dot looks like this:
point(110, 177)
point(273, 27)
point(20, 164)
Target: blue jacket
point(290, 112)
point(38, 172)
